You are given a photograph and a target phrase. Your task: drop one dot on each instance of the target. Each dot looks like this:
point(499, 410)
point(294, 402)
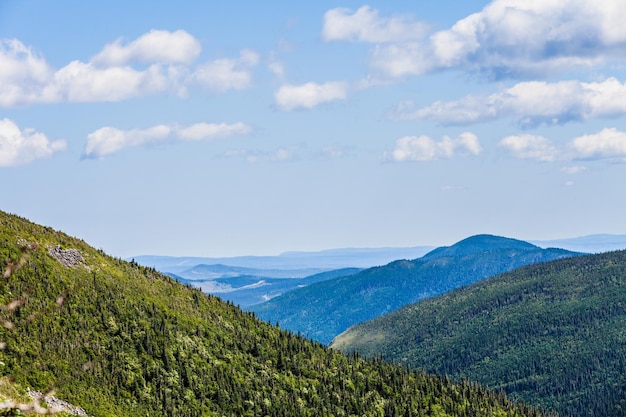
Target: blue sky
point(234, 128)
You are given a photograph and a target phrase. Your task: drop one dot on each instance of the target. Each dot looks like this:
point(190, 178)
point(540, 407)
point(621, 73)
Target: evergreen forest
point(119, 339)
point(550, 334)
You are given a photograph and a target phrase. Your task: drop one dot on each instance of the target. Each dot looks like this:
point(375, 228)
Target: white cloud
point(81, 82)
point(424, 148)
point(530, 103)
point(309, 95)
point(26, 77)
point(203, 131)
point(400, 60)
point(226, 74)
point(156, 46)
point(109, 140)
point(530, 147)
point(332, 152)
point(19, 62)
point(366, 25)
point(277, 68)
point(253, 156)
point(609, 143)
point(18, 147)
point(508, 38)
point(571, 170)
point(23, 73)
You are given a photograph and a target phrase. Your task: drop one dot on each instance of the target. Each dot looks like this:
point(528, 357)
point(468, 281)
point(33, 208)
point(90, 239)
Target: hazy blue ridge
point(246, 290)
point(324, 260)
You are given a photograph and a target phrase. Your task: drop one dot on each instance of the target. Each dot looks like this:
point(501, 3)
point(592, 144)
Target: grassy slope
point(118, 339)
point(552, 334)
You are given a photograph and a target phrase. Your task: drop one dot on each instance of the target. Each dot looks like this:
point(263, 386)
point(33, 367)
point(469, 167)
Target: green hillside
point(118, 339)
point(552, 334)
point(322, 311)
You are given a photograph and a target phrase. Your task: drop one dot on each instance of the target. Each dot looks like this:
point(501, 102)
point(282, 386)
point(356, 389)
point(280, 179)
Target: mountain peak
point(480, 243)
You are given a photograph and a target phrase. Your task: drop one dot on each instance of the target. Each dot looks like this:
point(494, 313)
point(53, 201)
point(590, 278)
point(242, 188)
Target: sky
point(206, 128)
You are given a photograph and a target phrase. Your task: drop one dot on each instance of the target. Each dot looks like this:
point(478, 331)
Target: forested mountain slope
point(118, 339)
point(322, 311)
point(551, 334)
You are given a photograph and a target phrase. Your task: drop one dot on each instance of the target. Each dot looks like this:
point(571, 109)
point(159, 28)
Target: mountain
point(246, 290)
point(321, 260)
point(481, 244)
point(113, 338)
point(206, 272)
point(551, 334)
point(322, 311)
point(358, 257)
point(591, 244)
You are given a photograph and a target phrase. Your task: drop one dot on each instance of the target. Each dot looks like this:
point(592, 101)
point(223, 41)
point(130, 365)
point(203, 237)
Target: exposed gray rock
point(68, 257)
point(55, 404)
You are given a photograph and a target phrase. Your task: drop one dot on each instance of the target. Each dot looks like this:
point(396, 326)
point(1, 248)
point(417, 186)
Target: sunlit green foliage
point(119, 339)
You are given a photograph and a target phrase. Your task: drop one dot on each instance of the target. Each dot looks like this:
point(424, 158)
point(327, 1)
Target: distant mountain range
point(589, 244)
point(319, 261)
point(323, 310)
point(248, 280)
point(550, 334)
point(307, 263)
point(245, 290)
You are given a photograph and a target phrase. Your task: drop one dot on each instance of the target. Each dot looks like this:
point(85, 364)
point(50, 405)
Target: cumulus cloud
point(424, 148)
point(366, 25)
point(309, 95)
point(203, 131)
point(506, 39)
point(19, 147)
point(530, 147)
point(226, 74)
point(156, 46)
point(26, 77)
point(23, 74)
point(609, 143)
point(529, 103)
point(84, 82)
point(109, 140)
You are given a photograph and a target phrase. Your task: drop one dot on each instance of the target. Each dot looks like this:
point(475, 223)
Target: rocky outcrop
point(55, 404)
point(68, 257)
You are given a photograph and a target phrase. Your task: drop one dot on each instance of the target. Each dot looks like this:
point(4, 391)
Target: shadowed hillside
point(552, 334)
